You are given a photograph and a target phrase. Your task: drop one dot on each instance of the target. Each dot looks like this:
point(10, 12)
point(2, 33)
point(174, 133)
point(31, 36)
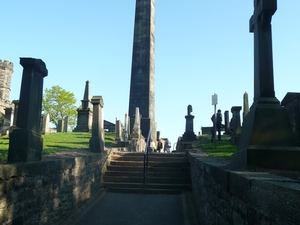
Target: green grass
point(222, 149)
point(56, 142)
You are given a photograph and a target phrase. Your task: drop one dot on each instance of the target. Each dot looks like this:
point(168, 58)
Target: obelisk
point(143, 68)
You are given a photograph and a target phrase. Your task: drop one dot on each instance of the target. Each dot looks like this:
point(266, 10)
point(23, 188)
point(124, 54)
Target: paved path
point(132, 209)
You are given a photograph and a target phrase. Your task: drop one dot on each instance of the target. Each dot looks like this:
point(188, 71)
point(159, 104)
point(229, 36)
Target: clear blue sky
point(202, 48)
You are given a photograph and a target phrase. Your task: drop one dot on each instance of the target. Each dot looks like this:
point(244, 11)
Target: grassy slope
point(56, 142)
point(222, 149)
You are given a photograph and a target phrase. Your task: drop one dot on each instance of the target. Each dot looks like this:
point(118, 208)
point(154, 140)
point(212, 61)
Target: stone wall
point(46, 192)
point(225, 196)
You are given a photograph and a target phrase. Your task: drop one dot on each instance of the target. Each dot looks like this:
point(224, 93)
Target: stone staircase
point(167, 173)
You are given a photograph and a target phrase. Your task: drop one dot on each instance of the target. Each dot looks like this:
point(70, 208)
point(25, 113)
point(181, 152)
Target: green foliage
point(222, 149)
point(56, 142)
point(59, 103)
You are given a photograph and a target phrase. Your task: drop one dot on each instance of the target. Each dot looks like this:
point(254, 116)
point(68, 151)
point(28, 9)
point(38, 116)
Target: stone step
point(124, 185)
point(159, 180)
point(150, 159)
point(155, 154)
point(150, 164)
point(149, 169)
point(149, 174)
point(144, 190)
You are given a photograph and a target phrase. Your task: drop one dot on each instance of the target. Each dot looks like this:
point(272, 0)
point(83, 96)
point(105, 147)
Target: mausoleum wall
point(225, 196)
point(46, 192)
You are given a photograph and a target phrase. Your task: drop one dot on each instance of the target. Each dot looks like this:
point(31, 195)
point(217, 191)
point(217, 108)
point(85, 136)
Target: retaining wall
point(225, 196)
point(46, 192)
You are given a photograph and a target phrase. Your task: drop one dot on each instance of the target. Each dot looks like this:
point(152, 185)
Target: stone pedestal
point(237, 129)
point(97, 140)
point(267, 138)
point(25, 141)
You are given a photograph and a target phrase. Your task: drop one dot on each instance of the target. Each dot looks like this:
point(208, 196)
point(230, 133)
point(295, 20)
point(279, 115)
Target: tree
point(59, 103)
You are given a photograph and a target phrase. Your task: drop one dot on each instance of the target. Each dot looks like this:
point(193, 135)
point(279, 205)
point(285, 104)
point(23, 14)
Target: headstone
point(119, 131)
point(136, 131)
point(137, 141)
point(125, 129)
point(66, 124)
point(97, 143)
point(291, 103)
point(189, 134)
point(16, 107)
point(25, 141)
point(142, 88)
point(8, 120)
point(226, 118)
point(237, 129)
point(267, 138)
point(45, 124)
point(246, 105)
point(84, 114)
point(60, 126)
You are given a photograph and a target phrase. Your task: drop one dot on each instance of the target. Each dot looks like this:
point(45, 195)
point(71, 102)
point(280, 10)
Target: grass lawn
point(56, 142)
point(222, 148)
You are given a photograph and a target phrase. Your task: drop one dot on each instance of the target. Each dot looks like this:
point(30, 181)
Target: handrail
point(146, 158)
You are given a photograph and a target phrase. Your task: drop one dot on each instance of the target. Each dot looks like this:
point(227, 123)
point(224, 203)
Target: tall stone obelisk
point(143, 67)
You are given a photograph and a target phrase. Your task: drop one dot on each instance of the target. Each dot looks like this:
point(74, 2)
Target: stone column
point(237, 129)
point(25, 141)
point(97, 140)
point(246, 105)
point(226, 117)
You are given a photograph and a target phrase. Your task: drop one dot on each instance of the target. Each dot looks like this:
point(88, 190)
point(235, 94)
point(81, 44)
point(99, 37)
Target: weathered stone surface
point(225, 196)
point(46, 192)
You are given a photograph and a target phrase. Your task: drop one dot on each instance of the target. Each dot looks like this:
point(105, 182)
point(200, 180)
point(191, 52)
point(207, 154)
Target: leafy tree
point(59, 103)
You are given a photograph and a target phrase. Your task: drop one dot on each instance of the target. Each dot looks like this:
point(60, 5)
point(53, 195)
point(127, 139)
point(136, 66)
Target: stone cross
point(260, 25)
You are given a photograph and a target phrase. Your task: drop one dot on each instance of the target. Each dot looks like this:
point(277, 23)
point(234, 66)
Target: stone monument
point(236, 125)
point(189, 134)
point(97, 143)
point(6, 71)
point(84, 114)
point(25, 141)
point(137, 141)
point(245, 105)
point(143, 68)
point(267, 139)
point(291, 103)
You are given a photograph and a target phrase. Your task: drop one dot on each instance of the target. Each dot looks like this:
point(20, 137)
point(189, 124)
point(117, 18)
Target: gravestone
point(267, 138)
point(291, 103)
point(45, 124)
point(119, 129)
point(16, 107)
point(226, 118)
point(125, 133)
point(60, 126)
point(142, 88)
point(137, 141)
point(84, 114)
point(25, 141)
point(189, 134)
point(237, 129)
point(246, 105)
point(97, 143)
point(66, 124)
point(8, 120)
